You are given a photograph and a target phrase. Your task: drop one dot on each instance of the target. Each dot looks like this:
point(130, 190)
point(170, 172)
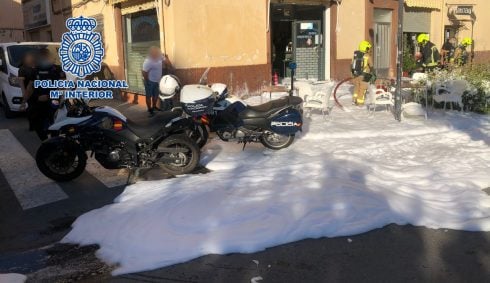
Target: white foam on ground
point(346, 176)
point(12, 278)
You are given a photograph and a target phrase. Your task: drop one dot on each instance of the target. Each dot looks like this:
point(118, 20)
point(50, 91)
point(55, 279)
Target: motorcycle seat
point(149, 127)
point(266, 109)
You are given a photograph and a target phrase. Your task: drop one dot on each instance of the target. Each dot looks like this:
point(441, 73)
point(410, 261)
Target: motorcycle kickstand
point(133, 175)
point(244, 144)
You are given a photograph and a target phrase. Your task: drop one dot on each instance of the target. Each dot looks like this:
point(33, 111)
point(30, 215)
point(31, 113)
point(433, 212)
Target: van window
point(3, 67)
point(16, 52)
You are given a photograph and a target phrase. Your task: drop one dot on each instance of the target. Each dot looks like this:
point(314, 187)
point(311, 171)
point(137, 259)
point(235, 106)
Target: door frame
point(369, 26)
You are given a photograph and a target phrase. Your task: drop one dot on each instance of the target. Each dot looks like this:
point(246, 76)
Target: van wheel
point(6, 108)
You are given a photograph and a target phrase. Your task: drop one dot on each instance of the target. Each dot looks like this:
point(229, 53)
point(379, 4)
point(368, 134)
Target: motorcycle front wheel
point(178, 155)
point(276, 141)
point(61, 161)
point(198, 134)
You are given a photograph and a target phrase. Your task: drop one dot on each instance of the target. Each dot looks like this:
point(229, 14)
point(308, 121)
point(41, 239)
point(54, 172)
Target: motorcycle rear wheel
point(190, 158)
point(62, 162)
point(276, 141)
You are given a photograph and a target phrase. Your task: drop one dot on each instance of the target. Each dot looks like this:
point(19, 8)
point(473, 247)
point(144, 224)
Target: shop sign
point(36, 13)
point(464, 10)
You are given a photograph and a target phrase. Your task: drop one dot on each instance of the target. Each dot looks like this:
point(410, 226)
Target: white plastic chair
point(450, 91)
point(314, 100)
point(419, 78)
point(378, 96)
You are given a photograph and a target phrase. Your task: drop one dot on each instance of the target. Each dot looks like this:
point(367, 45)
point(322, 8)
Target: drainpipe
point(443, 26)
point(268, 15)
point(398, 94)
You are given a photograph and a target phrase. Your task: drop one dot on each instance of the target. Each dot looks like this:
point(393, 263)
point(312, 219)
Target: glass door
point(382, 42)
point(382, 50)
point(308, 50)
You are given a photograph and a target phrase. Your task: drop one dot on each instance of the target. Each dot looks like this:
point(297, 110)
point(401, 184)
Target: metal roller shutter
point(416, 21)
point(141, 32)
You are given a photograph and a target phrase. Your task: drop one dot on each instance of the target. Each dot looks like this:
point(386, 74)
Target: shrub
point(475, 98)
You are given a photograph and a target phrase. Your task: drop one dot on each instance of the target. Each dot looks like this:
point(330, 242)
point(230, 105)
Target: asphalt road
point(30, 227)
point(390, 254)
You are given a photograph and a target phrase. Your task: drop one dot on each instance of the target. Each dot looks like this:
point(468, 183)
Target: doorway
point(382, 41)
point(297, 35)
point(308, 49)
point(141, 31)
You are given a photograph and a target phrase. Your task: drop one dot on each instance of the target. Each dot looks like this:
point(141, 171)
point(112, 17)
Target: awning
point(114, 2)
point(301, 2)
point(428, 4)
point(129, 8)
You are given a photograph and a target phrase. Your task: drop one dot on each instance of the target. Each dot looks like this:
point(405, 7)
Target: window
point(16, 52)
point(3, 67)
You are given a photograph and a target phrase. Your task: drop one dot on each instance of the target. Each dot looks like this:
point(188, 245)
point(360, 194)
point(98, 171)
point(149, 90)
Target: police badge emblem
point(81, 49)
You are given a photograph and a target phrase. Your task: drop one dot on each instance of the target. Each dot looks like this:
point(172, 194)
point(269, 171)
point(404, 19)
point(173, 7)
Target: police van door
point(308, 49)
point(382, 41)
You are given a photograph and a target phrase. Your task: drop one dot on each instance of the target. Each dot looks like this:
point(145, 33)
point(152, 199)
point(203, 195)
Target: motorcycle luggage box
point(286, 122)
point(197, 99)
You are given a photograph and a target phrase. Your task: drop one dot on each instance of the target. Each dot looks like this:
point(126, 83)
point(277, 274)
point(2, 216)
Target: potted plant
point(409, 63)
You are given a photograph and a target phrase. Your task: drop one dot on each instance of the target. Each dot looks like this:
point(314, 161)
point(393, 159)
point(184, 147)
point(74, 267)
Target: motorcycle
point(115, 141)
point(274, 123)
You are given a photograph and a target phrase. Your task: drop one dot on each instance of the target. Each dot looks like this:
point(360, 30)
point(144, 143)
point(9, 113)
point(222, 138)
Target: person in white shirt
point(152, 73)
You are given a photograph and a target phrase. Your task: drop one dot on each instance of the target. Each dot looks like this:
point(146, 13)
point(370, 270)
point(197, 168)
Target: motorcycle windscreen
point(286, 122)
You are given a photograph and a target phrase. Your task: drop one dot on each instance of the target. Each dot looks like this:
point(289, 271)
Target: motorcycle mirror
point(177, 109)
point(162, 97)
point(204, 78)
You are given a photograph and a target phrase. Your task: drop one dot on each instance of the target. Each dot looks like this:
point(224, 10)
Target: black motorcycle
point(116, 142)
point(273, 124)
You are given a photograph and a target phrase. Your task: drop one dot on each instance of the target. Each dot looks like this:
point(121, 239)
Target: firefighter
point(430, 55)
point(362, 71)
point(447, 52)
point(461, 55)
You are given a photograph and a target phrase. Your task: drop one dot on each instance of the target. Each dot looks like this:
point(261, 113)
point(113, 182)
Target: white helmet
point(169, 86)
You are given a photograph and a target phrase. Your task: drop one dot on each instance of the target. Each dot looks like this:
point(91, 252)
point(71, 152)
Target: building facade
point(11, 23)
point(243, 42)
point(247, 42)
point(376, 21)
point(468, 18)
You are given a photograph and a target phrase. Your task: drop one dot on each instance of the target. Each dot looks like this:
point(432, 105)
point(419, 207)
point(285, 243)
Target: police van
point(11, 55)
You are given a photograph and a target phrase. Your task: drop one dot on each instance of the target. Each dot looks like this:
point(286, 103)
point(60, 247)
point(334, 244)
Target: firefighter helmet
point(364, 46)
point(467, 41)
point(423, 38)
